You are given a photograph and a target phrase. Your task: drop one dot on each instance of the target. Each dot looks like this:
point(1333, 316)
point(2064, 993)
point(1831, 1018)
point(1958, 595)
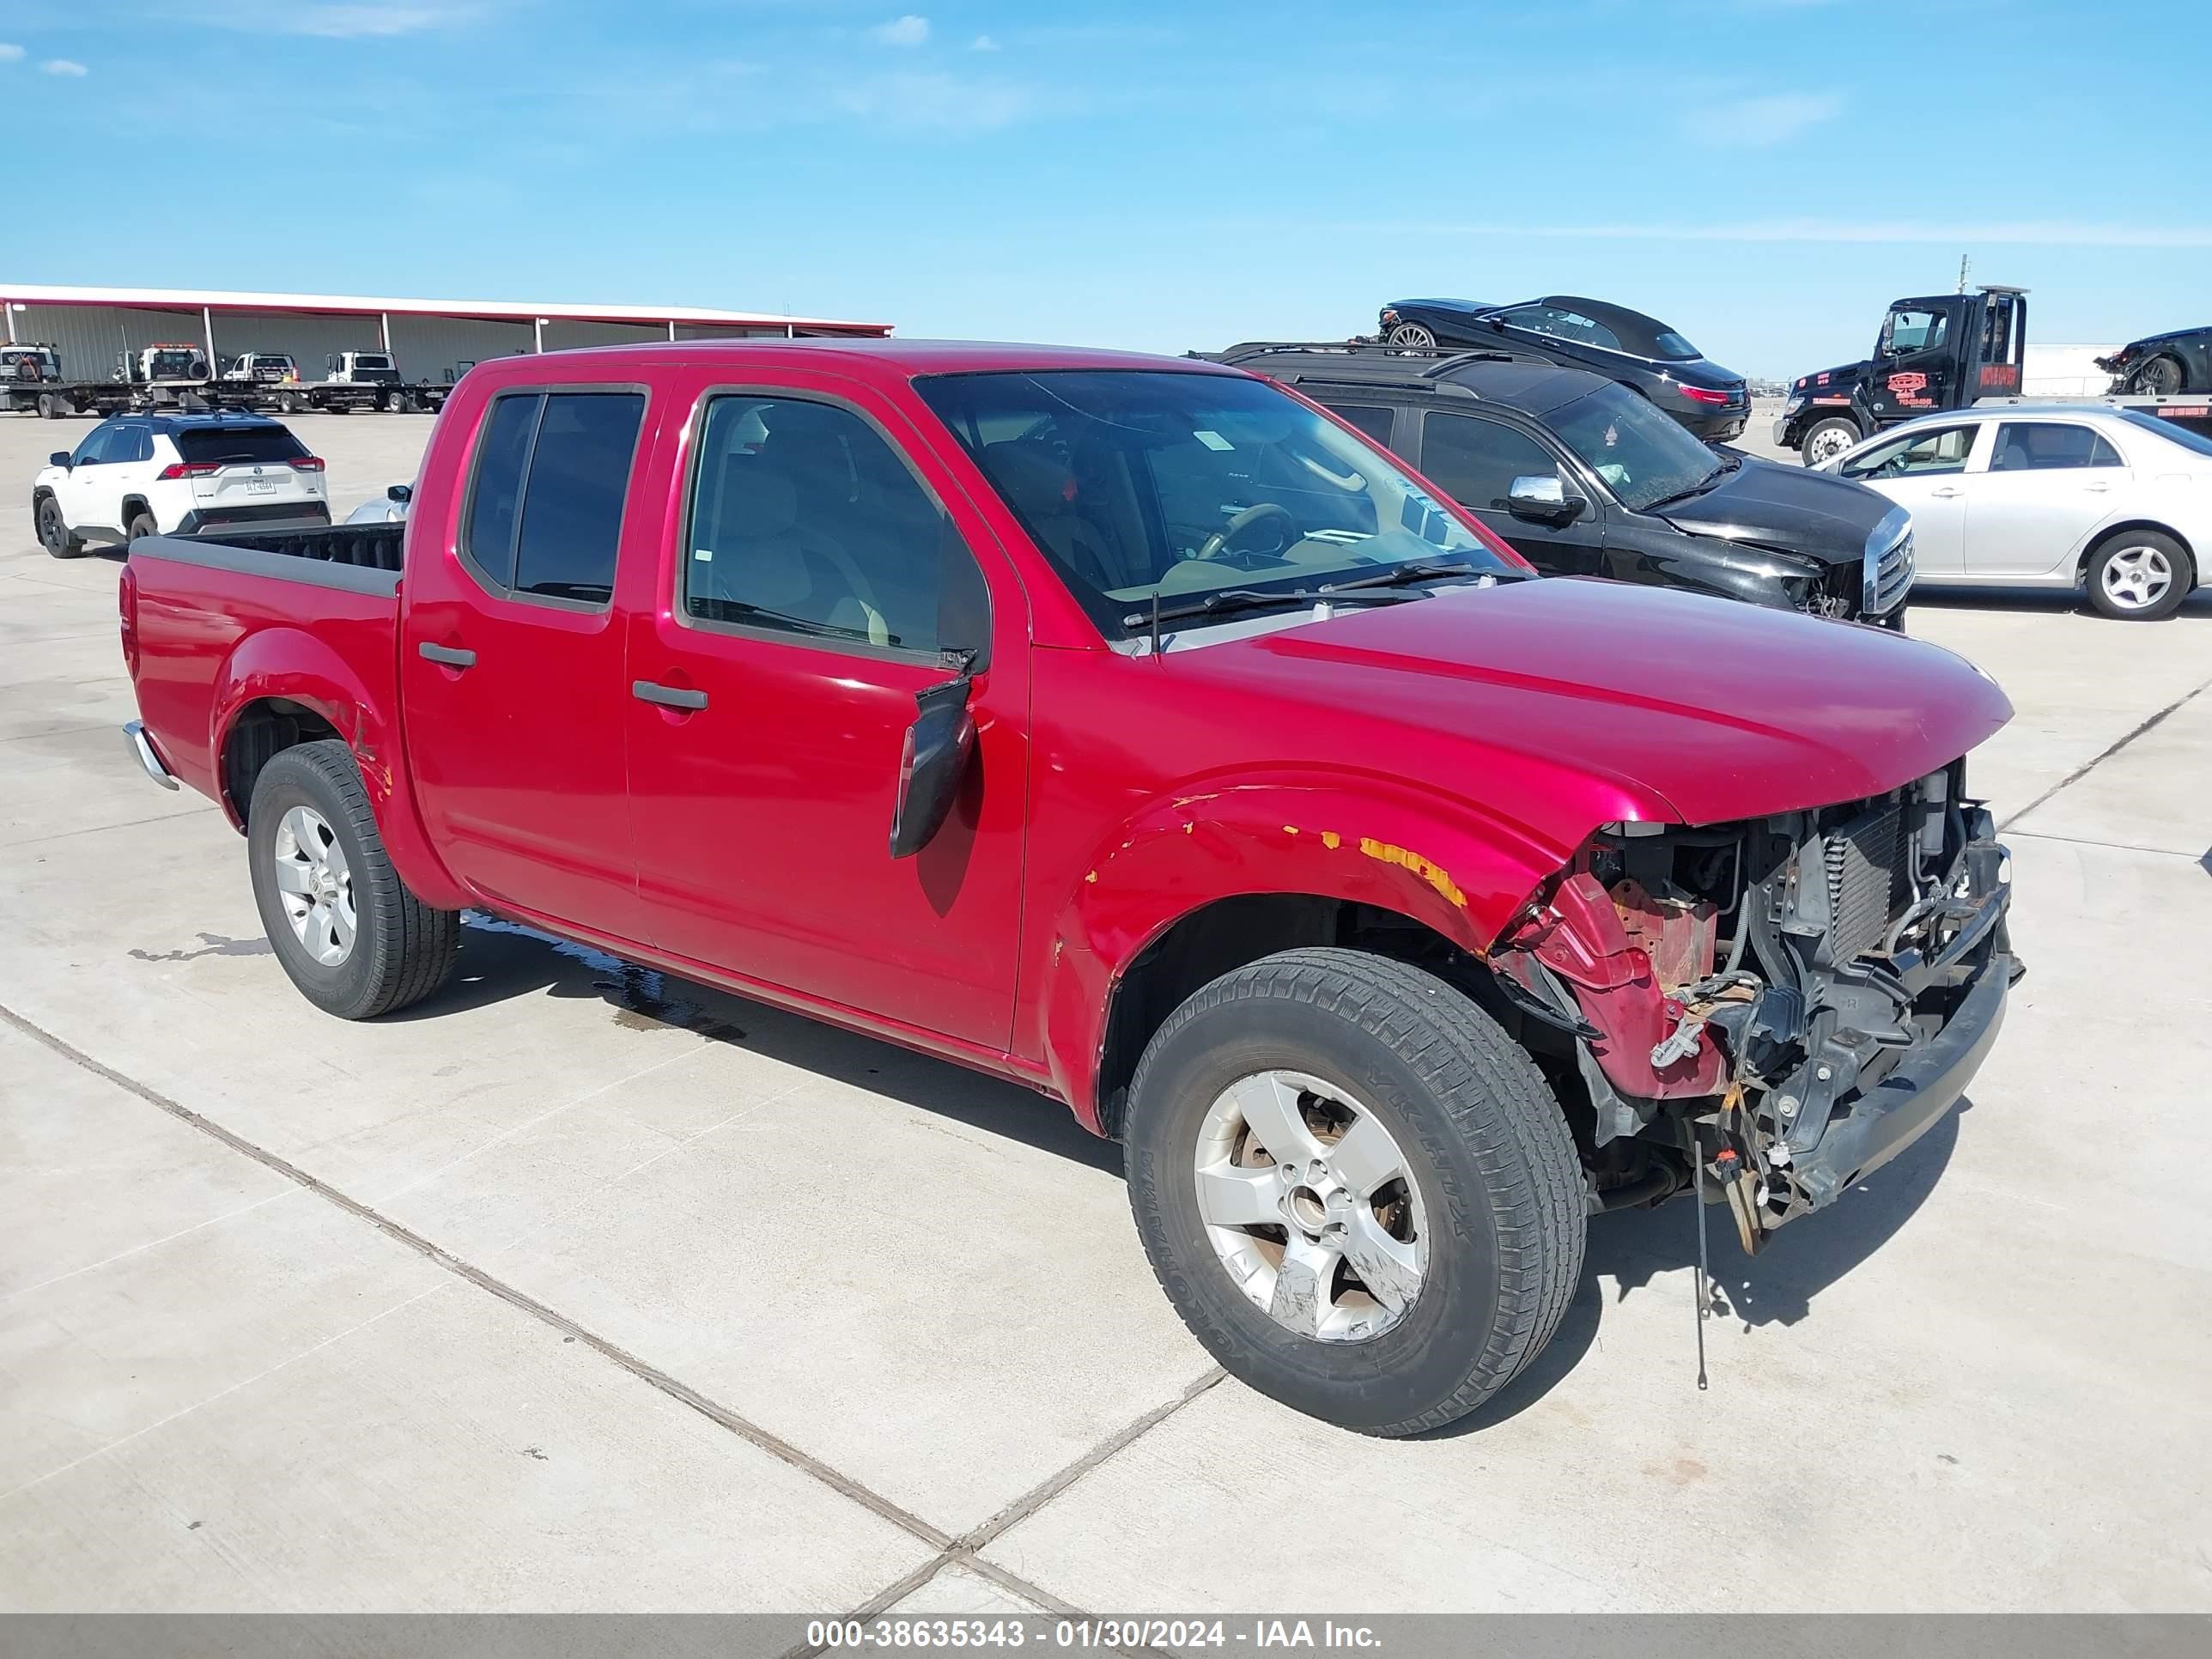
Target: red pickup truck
point(1134, 729)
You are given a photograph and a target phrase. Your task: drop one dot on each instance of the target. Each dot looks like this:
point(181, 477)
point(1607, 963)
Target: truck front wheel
point(1355, 1189)
point(1825, 439)
point(344, 927)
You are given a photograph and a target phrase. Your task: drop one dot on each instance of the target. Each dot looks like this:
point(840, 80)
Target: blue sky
point(1765, 175)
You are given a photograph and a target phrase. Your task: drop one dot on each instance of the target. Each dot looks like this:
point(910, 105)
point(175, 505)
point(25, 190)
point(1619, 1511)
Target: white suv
point(144, 474)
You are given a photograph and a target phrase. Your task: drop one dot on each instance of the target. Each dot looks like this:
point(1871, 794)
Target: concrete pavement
point(575, 1288)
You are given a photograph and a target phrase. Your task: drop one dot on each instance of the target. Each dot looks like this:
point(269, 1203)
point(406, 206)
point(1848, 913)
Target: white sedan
point(2060, 495)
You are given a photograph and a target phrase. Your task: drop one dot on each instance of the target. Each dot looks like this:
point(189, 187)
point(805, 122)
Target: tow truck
point(1933, 354)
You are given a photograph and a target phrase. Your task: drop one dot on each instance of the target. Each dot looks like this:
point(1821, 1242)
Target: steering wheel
point(1218, 544)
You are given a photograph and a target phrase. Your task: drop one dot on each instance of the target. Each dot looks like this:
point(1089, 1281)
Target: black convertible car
point(2162, 364)
point(1640, 352)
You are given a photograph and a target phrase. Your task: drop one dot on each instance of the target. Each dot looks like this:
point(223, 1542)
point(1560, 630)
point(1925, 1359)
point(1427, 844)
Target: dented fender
point(1436, 859)
point(362, 706)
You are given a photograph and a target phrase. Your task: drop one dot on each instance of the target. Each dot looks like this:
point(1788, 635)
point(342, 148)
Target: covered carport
point(431, 340)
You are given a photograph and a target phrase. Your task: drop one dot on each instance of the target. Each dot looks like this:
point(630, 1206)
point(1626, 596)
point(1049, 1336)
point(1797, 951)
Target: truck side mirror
point(933, 762)
point(1543, 498)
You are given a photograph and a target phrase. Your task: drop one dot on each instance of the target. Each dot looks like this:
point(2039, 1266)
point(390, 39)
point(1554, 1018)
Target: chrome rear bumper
point(142, 746)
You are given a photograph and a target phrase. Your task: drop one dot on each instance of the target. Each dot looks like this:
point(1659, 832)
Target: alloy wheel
point(1414, 335)
point(315, 885)
point(1311, 1207)
point(2138, 577)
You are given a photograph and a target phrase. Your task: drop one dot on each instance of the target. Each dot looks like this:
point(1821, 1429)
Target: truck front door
point(1916, 364)
point(511, 657)
point(822, 570)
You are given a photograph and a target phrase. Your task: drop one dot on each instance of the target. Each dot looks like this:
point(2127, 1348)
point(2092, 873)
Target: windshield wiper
point(1697, 489)
point(1349, 592)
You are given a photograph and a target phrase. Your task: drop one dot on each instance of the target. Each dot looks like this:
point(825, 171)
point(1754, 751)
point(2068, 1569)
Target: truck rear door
point(511, 656)
point(823, 561)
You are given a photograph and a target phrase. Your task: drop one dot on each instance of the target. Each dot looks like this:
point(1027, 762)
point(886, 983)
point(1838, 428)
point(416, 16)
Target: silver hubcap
point(315, 885)
point(2136, 578)
point(1311, 1207)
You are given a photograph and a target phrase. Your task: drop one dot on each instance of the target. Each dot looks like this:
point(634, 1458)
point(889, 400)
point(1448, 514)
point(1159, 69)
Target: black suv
point(1584, 478)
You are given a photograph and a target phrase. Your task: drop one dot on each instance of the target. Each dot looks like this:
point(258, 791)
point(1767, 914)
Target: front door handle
point(452, 656)
point(1947, 493)
point(2096, 488)
point(668, 696)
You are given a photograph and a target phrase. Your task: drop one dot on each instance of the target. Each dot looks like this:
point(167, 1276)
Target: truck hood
point(1721, 710)
point(1831, 382)
point(1789, 509)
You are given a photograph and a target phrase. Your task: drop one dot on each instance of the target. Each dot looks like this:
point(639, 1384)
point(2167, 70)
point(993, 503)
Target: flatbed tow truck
point(179, 377)
point(1935, 353)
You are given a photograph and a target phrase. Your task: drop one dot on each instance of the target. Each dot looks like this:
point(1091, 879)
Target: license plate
point(261, 486)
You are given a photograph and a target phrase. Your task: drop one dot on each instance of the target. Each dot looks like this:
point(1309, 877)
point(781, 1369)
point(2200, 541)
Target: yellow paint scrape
point(1433, 874)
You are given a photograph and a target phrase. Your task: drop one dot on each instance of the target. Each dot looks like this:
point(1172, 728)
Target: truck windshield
point(370, 360)
point(1643, 457)
point(1138, 483)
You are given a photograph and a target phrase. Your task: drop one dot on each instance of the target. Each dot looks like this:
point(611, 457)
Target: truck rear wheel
point(1825, 439)
point(1355, 1189)
point(344, 927)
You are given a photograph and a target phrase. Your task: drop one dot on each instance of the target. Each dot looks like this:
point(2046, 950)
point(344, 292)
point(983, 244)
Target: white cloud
point(67, 66)
point(906, 31)
point(984, 43)
point(10, 54)
point(1780, 117)
point(936, 103)
point(334, 20)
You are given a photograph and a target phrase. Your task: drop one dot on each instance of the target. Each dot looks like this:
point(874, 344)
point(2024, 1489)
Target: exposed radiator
point(1867, 880)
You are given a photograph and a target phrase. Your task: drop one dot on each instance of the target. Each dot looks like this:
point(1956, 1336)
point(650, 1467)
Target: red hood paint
point(1723, 710)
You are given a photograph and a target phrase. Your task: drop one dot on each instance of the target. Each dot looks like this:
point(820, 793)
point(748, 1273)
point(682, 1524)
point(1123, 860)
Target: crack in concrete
point(947, 1550)
point(2101, 758)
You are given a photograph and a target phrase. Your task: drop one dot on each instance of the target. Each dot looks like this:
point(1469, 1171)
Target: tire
point(1825, 439)
point(287, 404)
point(307, 803)
point(2139, 575)
point(2161, 377)
point(50, 405)
point(54, 533)
point(1416, 336)
point(1489, 1187)
point(142, 525)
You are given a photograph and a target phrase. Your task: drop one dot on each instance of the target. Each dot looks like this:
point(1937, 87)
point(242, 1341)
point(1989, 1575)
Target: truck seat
point(758, 555)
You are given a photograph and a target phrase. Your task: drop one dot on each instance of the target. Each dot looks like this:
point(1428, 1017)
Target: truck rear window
point(242, 445)
point(545, 505)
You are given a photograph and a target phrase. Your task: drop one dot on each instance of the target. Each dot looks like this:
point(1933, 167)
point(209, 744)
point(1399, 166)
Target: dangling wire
point(1705, 1293)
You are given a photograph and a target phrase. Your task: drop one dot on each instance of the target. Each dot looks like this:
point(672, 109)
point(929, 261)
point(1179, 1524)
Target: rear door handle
point(1947, 493)
point(2098, 489)
point(452, 656)
point(668, 696)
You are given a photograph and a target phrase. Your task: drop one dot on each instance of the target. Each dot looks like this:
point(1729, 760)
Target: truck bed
point(365, 546)
point(206, 616)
